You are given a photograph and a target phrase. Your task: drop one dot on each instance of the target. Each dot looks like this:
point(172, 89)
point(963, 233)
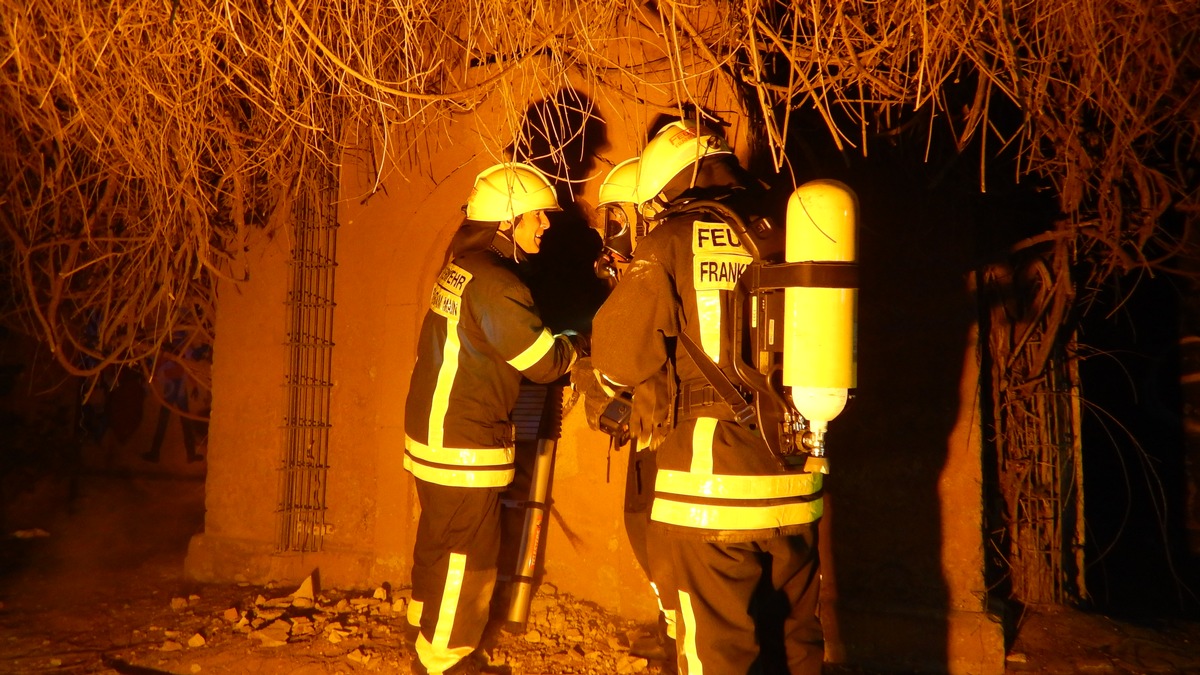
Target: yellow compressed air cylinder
point(820, 342)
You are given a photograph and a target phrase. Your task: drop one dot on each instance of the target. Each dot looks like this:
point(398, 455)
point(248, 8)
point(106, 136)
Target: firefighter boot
point(655, 645)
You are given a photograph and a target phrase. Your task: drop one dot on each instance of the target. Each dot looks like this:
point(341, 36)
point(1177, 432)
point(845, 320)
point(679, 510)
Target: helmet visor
point(617, 234)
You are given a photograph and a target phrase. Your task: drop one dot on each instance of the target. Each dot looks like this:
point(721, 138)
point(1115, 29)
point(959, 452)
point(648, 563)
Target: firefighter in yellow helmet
point(620, 222)
point(740, 527)
point(481, 334)
point(649, 418)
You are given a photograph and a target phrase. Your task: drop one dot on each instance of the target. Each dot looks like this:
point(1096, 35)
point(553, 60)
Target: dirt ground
point(91, 582)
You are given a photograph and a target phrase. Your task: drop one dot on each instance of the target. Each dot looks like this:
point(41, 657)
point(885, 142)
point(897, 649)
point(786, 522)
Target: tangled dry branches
point(144, 139)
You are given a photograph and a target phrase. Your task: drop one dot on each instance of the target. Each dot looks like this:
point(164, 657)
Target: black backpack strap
point(743, 410)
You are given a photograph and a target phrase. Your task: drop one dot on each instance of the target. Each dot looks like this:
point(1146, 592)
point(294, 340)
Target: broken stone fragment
point(170, 646)
point(627, 665)
point(363, 605)
point(231, 615)
point(301, 625)
point(196, 640)
point(274, 635)
point(179, 603)
point(304, 595)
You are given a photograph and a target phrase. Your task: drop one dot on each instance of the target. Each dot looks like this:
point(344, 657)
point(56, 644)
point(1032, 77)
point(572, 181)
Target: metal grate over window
point(309, 381)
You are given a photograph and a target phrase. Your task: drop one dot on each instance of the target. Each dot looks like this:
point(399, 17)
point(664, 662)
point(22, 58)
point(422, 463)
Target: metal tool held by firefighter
point(537, 506)
point(614, 420)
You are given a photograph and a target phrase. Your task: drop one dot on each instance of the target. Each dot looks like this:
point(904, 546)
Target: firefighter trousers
point(454, 571)
point(748, 607)
point(651, 553)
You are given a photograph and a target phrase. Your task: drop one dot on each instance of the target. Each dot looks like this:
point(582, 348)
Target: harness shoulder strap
point(743, 410)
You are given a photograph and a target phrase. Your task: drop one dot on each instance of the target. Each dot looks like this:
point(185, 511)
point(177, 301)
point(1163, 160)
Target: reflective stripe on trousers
point(454, 570)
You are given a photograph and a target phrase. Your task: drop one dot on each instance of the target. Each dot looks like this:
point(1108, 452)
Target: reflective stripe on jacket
point(701, 496)
point(481, 335)
point(462, 467)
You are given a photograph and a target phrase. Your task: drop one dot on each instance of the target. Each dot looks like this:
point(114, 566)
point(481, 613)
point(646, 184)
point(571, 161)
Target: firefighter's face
point(529, 229)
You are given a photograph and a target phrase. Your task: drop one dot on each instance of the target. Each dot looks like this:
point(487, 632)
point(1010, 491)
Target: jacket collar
point(480, 236)
point(503, 244)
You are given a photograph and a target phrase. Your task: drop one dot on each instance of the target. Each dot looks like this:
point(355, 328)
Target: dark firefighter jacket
point(482, 333)
point(716, 479)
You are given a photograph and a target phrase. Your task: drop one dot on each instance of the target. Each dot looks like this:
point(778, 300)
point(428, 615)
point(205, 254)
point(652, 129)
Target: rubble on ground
point(365, 629)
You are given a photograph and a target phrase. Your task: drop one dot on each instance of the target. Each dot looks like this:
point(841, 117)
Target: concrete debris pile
point(563, 634)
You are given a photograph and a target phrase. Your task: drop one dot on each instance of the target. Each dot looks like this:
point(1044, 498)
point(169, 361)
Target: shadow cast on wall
point(563, 135)
point(889, 448)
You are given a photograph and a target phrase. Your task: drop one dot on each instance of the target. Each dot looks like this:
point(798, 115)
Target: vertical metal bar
point(1077, 532)
point(304, 466)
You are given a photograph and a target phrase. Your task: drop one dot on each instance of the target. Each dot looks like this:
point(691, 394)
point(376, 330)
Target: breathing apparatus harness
point(768, 410)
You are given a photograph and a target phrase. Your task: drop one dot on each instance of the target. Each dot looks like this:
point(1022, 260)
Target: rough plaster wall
point(906, 485)
point(247, 412)
point(390, 248)
point(244, 431)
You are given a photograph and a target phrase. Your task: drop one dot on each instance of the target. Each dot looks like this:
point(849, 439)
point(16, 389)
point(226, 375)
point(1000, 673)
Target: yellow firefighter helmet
point(618, 206)
point(678, 146)
point(505, 191)
point(620, 185)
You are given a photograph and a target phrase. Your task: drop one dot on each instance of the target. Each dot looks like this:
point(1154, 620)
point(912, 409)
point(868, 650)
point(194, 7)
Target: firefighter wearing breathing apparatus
point(649, 415)
point(481, 335)
point(737, 495)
